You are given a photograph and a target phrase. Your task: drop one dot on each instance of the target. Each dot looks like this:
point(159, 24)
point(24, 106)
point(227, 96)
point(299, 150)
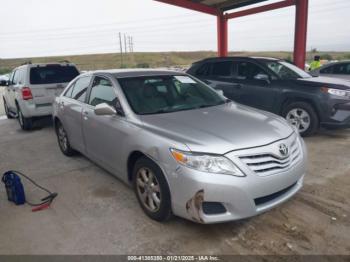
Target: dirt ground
point(96, 214)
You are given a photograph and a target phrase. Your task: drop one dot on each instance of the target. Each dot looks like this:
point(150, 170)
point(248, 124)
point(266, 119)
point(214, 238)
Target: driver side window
point(102, 91)
point(248, 71)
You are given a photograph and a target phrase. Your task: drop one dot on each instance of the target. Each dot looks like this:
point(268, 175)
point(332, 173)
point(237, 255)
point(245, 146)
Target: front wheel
point(63, 141)
point(303, 116)
point(7, 111)
point(26, 123)
point(152, 189)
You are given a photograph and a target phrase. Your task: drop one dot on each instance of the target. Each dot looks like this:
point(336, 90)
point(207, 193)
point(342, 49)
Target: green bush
point(327, 57)
point(143, 65)
point(4, 71)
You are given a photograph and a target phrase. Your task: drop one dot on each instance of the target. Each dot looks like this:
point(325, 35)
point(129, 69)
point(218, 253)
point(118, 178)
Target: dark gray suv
point(280, 87)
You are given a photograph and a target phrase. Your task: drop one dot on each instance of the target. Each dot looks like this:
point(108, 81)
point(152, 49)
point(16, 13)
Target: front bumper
point(241, 197)
point(339, 116)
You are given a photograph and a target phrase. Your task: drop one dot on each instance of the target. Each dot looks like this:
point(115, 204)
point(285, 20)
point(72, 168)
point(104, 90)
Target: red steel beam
point(261, 9)
point(222, 36)
point(300, 36)
point(193, 6)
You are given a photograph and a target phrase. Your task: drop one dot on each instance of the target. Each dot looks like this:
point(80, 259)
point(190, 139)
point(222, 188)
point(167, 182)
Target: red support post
point(222, 36)
point(300, 36)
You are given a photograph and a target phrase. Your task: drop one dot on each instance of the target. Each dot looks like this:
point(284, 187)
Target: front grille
point(271, 163)
point(268, 198)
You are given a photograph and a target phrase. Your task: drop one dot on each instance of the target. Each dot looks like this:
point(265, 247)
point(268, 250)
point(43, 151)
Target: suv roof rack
point(64, 61)
point(29, 62)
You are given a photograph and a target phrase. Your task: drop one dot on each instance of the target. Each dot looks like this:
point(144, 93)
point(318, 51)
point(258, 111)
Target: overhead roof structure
point(221, 8)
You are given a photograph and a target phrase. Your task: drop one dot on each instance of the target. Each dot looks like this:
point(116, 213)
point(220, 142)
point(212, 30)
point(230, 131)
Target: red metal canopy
point(219, 9)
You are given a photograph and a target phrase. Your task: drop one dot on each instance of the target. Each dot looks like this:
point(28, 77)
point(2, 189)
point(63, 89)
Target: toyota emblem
point(283, 150)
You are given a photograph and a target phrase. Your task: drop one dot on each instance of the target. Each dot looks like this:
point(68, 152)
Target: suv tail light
point(26, 93)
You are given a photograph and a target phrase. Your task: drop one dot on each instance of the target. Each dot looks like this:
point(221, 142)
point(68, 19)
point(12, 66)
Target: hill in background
point(161, 59)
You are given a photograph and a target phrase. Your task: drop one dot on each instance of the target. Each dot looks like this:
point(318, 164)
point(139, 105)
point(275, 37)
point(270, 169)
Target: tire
point(26, 123)
point(63, 141)
point(153, 196)
point(303, 116)
point(7, 111)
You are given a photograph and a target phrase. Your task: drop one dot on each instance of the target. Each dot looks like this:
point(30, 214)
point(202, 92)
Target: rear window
point(52, 74)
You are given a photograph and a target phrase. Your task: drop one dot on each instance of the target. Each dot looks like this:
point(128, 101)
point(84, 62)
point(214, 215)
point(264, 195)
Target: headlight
point(338, 92)
point(206, 163)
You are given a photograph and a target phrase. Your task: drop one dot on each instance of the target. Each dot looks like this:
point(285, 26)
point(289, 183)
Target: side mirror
point(220, 92)
point(118, 108)
point(104, 110)
point(4, 83)
point(262, 77)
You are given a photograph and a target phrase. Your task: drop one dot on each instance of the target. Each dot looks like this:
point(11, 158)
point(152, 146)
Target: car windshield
point(286, 70)
point(165, 94)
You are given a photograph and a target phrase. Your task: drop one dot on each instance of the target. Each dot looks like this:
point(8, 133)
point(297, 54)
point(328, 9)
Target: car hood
point(326, 81)
point(219, 129)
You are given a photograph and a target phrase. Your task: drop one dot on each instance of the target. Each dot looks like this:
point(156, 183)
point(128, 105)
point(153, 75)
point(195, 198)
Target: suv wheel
point(63, 141)
point(151, 189)
point(26, 123)
point(7, 111)
point(303, 116)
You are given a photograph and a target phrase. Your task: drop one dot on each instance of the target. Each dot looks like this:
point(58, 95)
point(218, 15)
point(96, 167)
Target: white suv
point(32, 89)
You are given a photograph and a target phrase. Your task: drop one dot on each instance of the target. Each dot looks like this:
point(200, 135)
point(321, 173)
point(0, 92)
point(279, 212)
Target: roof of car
point(239, 57)
point(45, 64)
point(122, 73)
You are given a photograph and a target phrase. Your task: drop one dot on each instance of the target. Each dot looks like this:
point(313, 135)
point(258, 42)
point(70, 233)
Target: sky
point(31, 28)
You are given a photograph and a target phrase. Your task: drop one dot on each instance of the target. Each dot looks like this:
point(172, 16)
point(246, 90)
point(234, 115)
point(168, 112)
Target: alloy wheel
point(20, 118)
point(148, 189)
point(299, 118)
point(62, 138)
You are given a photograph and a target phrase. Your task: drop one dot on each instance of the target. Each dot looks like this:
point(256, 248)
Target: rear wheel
point(63, 141)
point(303, 116)
point(152, 189)
point(7, 111)
point(26, 123)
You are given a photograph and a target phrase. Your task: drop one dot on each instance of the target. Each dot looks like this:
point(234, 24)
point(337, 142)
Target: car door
point(341, 70)
point(72, 103)
point(257, 88)
point(104, 134)
point(7, 90)
point(220, 77)
point(12, 88)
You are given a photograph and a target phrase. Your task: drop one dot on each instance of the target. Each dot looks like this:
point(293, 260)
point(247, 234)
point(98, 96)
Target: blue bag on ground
point(14, 188)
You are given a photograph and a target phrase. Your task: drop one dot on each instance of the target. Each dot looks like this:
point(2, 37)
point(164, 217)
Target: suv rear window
point(52, 74)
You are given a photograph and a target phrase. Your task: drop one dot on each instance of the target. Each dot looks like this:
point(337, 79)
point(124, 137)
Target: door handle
point(85, 115)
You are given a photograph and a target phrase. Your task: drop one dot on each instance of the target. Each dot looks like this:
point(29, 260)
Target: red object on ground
point(41, 207)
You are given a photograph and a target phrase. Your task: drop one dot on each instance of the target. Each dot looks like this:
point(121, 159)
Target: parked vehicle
point(185, 149)
point(336, 69)
point(3, 80)
point(280, 87)
point(32, 88)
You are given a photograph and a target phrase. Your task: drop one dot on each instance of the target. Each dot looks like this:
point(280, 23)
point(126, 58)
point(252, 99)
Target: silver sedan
point(184, 148)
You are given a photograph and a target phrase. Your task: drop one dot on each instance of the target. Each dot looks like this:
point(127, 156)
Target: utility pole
point(129, 44)
point(125, 45)
point(121, 50)
point(132, 44)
